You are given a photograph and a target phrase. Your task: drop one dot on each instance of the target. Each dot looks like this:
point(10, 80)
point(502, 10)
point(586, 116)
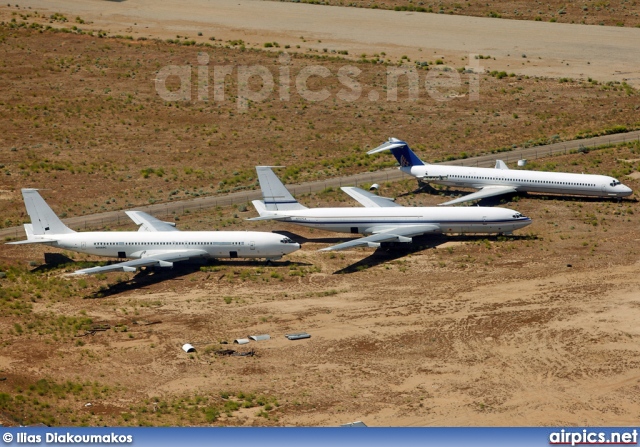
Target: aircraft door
point(83, 245)
point(603, 188)
point(484, 220)
point(252, 245)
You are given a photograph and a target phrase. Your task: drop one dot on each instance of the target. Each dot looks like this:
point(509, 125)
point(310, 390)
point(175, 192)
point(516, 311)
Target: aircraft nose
point(294, 247)
point(626, 191)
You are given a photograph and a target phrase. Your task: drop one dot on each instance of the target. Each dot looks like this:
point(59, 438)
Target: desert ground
point(537, 328)
point(528, 47)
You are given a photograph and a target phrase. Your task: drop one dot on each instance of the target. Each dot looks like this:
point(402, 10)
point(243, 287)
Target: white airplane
point(381, 219)
point(156, 243)
point(501, 180)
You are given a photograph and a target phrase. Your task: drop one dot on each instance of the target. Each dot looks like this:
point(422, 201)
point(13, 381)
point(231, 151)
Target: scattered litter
point(88, 404)
point(297, 336)
point(354, 424)
point(569, 265)
point(146, 323)
point(3, 274)
point(260, 337)
point(224, 342)
point(95, 328)
point(233, 353)
point(2, 379)
point(188, 348)
point(241, 341)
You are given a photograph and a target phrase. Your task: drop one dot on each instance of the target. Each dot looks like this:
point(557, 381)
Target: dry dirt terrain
point(81, 115)
point(535, 329)
point(589, 12)
point(605, 53)
point(539, 328)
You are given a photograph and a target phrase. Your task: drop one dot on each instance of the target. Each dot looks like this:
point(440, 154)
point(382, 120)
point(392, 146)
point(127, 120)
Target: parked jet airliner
point(156, 243)
point(381, 219)
point(501, 180)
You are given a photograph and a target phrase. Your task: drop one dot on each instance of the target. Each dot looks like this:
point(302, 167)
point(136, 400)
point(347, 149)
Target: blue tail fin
point(400, 150)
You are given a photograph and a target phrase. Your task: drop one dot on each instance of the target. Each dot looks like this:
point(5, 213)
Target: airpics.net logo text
point(258, 83)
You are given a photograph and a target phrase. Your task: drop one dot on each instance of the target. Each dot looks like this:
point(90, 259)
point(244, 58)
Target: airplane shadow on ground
point(150, 276)
point(388, 252)
point(391, 252)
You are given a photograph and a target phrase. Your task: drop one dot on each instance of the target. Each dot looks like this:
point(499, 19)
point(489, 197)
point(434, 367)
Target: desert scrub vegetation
point(53, 403)
point(105, 133)
point(22, 289)
point(76, 402)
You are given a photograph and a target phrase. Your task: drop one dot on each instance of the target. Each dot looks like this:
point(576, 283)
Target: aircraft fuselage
point(213, 244)
point(521, 180)
point(448, 220)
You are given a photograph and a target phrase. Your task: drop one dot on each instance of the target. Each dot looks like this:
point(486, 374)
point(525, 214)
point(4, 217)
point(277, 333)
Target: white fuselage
point(448, 220)
point(213, 244)
point(521, 180)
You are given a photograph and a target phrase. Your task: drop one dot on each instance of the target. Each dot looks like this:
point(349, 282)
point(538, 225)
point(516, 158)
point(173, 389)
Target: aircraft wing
point(162, 259)
point(387, 234)
point(150, 223)
point(369, 200)
point(487, 191)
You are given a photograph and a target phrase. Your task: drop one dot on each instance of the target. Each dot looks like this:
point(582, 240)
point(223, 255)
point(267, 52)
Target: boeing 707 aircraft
point(501, 180)
point(156, 243)
point(381, 219)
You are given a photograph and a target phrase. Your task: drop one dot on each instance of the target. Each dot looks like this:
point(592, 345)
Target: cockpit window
point(286, 240)
point(518, 216)
point(615, 182)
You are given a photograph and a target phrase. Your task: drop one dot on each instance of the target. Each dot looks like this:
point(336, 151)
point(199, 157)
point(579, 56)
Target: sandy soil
point(551, 49)
point(85, 120)
point(587, 12)
point(538, 329)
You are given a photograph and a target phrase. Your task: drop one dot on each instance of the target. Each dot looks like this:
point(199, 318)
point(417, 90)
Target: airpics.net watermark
point(257, 83)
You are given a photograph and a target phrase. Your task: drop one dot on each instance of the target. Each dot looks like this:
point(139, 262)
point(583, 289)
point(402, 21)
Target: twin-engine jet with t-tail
point(156, 243)
point(500, 180)
point(381, 220)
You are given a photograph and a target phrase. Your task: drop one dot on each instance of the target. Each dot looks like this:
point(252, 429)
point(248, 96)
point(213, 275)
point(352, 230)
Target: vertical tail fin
point(400, 150)
point(274, 194)
point(43, 219)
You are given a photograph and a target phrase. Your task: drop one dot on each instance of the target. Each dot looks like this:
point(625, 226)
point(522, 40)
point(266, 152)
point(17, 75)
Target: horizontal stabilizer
point(401, 151)
point(274, 217)
point(393, 143)
point(487, 191)
point(33, 241)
